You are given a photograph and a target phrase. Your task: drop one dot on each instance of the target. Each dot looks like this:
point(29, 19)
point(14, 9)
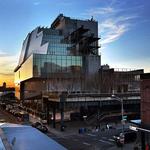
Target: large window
point(25, 71)
point(45, 65)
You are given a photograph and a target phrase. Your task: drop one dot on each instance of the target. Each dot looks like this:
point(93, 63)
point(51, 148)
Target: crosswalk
point(104, 141)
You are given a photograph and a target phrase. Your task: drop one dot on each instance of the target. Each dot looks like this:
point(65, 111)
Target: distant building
point(7, 93)
point(3, 88)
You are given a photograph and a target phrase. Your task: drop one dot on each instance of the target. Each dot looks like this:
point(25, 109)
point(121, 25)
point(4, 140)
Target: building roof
point(137, 121)
point(28, 138)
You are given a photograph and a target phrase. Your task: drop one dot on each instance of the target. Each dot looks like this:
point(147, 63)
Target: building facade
point(118, 80)
point(61, 66)
point(63, 57)
point(145, 110)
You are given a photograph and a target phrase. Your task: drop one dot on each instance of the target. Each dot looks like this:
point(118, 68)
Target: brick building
point(145, 109)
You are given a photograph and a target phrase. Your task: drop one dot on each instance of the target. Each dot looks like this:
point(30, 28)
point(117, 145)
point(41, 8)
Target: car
point(40, 127)
point(125, 137)
point(36, 124)
point(2, 120)
point(44, 121)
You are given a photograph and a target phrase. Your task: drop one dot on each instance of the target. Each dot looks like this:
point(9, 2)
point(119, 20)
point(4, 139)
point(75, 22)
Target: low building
point(119, 80)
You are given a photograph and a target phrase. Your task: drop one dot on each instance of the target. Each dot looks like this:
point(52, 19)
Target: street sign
point(125, 117)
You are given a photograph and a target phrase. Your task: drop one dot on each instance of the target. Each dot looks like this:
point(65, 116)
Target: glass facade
point(25, 71)
point(57, 45)
point(40, 65)
point(49, 65)
point(58, 58)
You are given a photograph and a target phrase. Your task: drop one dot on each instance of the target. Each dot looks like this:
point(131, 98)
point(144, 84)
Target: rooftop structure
point(21, 137)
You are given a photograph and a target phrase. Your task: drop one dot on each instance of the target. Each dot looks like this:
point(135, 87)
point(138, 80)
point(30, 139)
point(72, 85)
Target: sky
point(124, 28)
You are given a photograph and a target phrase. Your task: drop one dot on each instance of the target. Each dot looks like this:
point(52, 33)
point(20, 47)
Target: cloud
point(100, 11)
point(112, 30)
point(114, 21)
point(7, 62)
point(36, 3)
point(6, 74)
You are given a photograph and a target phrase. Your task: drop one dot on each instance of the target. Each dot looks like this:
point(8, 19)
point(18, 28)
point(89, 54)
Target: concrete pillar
point(143, 140)
point(98, 114)
point(54, 115)
point(47, 113)
point(62, 100)
point(62, 118)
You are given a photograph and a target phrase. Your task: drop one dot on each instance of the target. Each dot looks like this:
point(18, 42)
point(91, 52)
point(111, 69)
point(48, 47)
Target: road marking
point(85, 143)
point(106, 142)
point(104, 137)
point(91, 134)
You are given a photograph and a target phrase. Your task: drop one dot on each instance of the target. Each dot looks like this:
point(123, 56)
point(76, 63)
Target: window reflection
point(56, 64)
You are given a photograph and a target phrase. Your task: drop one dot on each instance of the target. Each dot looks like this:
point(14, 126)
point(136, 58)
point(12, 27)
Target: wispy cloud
point(113, 21)
point(36, 3)
point(100, 11)
point(111, 30)
point(7, 62)
point(7, 74)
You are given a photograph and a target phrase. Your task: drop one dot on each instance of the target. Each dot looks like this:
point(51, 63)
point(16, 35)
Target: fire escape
point(83, 42)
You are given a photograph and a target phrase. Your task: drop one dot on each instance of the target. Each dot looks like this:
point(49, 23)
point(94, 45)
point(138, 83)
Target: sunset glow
point(123, 29)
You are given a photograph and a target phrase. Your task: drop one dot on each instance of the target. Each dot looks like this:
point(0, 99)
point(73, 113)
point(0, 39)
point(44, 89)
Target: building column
point(143, 140)
point(54, 115)
point(62, 117)
point(62, 100)
point(98, 114)
point(47, 113)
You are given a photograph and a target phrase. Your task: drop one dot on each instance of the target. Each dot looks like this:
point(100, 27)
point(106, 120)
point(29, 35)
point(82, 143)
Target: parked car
point(43, 129)
point(40, 127)
point(2, 120)
point(126, 137)
point(36, 124)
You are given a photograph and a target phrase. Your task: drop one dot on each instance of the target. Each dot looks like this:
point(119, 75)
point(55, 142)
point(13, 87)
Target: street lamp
point(122, 112)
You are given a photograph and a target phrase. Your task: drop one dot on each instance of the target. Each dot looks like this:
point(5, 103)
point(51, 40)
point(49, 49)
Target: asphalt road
point(91, 140)
point(102, 140)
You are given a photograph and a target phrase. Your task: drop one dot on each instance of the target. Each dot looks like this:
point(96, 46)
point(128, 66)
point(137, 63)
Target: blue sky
point(124, 27)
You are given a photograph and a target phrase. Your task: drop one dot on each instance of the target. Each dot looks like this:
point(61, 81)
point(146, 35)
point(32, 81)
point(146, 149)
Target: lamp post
point(122, 112)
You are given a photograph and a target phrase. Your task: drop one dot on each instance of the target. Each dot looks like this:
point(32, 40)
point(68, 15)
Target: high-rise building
point(60, 58)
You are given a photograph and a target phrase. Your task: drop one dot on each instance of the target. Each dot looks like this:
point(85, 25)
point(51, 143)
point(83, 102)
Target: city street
point(72, 140)
point(91, 140)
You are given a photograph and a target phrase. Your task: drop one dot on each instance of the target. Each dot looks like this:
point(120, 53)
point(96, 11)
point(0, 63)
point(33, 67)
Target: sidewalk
point(56, 131)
